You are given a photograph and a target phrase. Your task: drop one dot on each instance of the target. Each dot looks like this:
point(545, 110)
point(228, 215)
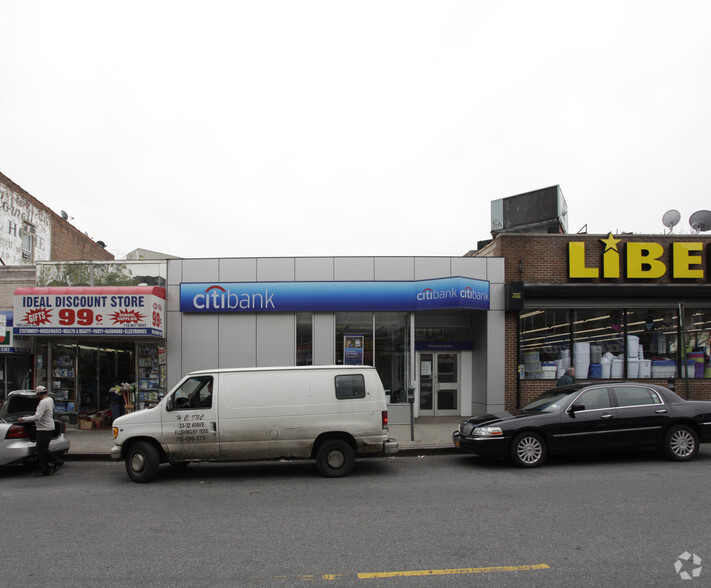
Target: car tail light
point(17, 432)
point(385, 419)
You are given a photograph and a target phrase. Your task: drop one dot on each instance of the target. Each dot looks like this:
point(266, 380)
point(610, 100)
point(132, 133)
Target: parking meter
point(411, 400)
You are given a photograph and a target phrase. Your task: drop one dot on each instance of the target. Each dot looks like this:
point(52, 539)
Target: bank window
point(350, 386)
point(380, 339)
point(392, 359)
point(304, 338)
point(354, 338)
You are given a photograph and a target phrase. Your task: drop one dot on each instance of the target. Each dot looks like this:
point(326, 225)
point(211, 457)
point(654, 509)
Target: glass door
point(439, 383)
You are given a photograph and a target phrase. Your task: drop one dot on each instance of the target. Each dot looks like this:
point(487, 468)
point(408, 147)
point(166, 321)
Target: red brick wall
point(69, 244)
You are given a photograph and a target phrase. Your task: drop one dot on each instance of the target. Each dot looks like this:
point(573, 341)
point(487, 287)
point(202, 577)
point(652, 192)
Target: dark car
point(613, 415)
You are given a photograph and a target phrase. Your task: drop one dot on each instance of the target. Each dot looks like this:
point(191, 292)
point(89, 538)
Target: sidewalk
point(431, 436)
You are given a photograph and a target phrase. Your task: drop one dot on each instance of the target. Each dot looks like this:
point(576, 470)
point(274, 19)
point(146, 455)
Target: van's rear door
point(189, 420)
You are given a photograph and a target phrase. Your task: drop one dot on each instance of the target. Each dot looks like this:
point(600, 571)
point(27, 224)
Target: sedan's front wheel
point(681, 443)
point(528, 450)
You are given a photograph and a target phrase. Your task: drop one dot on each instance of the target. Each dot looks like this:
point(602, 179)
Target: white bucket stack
point(582, 359)
point(633, 349)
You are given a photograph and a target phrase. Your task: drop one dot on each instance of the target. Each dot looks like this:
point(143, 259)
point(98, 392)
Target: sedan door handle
point(661, 411)
point(607, 416)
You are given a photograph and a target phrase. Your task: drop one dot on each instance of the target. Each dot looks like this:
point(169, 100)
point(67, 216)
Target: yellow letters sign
point(643, 261)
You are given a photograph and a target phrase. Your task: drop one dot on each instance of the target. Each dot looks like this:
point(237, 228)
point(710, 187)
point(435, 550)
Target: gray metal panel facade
point(202, 340)
point(276, 339)
point(238, 340)
point(314, 269)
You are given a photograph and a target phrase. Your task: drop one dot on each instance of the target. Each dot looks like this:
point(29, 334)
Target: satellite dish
point(670, 219)
point(700, 221)
point(65, 216)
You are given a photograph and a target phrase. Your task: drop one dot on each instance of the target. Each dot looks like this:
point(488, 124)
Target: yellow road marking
point(488, 570)
point(442, 572)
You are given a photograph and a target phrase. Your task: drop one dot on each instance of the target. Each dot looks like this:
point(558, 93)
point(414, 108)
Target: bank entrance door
point(439, 383)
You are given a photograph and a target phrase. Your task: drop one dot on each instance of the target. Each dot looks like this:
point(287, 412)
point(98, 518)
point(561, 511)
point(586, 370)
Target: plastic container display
point(633, 368)
point(645, 368)
point(663, 368)
point(632, 346)
point(618, 368)
point(581, 370)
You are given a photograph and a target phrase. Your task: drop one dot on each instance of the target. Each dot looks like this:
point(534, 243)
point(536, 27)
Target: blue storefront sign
point(444, 293)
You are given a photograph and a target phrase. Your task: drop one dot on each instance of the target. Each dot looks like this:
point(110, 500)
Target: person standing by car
point(44, 419)
point(568, 377)
point(117, 401)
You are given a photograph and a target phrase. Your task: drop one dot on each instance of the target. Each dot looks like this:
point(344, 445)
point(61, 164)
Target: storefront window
point(304, 338)
point(380, 339)
point(697, 336)
point(599, 345)
point(545, 343)
point(15, 373)
point(617, 343)
point(354, 338)
point(63, 377)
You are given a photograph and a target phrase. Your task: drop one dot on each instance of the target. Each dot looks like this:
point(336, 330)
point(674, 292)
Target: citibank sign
point(442, 293)
point(643, 260)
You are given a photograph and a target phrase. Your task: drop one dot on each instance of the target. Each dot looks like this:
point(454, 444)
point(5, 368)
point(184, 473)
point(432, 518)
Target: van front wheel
point(142, 462)
point(335, 459)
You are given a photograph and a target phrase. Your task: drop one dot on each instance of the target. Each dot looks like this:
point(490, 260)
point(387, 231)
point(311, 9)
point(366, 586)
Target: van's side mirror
point(411, 395)
point(170, 403)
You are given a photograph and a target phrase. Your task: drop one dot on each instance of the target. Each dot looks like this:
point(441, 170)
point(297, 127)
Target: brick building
point(30, 233)
point(612, 306)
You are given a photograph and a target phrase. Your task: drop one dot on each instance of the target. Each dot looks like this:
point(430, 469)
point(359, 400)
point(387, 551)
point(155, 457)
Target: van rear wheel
point(142, 462)
point(335, 458)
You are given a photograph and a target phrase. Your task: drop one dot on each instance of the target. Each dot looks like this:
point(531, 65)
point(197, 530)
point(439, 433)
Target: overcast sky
point(309, 128)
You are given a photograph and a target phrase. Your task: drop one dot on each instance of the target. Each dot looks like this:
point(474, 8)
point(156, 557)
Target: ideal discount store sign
point(114, 311)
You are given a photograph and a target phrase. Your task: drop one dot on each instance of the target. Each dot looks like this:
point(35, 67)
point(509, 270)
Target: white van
point(331, 414)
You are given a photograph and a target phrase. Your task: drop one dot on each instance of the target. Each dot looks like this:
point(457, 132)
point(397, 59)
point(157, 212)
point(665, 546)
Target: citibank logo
point(467, 293)
point(219, 298)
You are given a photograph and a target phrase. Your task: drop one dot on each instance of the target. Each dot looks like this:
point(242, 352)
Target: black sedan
point(613, 415)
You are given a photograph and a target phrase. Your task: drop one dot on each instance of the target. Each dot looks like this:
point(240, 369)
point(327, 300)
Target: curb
point(417, 451)
point(404, 452)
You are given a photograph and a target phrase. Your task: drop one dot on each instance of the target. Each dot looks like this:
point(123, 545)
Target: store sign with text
point(116, 311)
point(8, 342)
point(335, 296)
point(642, 260)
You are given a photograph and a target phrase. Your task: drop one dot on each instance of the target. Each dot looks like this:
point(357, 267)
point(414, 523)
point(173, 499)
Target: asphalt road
point(447, 520)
